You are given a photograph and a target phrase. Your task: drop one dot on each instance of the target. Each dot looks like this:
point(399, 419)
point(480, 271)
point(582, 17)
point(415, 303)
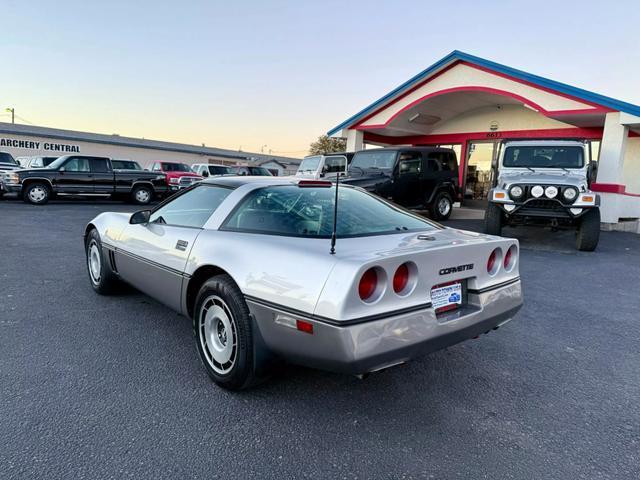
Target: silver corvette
point(268, 269)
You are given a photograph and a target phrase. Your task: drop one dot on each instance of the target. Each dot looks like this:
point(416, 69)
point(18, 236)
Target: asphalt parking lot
point(111, 387)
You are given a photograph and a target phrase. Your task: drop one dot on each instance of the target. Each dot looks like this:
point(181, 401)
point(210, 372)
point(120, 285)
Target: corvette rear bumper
point(373, 345)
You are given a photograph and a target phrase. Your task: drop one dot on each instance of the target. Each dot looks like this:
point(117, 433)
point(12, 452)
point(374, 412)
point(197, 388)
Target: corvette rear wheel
point(102, 278)
point(224, 335)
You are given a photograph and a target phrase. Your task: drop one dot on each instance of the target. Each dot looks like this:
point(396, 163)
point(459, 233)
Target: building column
point(612, 149)
point(610, 164)
point(355, 140)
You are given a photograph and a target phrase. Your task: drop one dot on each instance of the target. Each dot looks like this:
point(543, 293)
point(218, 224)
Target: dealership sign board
point(31, 145)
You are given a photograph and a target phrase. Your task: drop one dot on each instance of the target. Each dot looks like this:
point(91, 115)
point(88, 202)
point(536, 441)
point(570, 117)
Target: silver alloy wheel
point(37, 194)
point(444, 207)
point(94, 262)
point(218, 336)
point(142, 195)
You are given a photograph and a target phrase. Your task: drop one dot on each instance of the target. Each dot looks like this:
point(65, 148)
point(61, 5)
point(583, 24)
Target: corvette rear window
point(308, 212)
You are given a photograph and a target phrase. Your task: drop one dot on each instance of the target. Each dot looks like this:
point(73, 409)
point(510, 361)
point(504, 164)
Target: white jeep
point(547, 183)
point(323, 166)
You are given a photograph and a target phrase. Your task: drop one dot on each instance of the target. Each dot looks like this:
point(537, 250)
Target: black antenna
point(335, 219)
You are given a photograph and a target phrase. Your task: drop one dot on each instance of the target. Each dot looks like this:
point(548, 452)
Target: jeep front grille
point(542, 207)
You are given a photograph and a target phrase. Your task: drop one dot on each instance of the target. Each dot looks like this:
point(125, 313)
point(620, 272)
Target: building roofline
point(121, 141)
point(456, 56)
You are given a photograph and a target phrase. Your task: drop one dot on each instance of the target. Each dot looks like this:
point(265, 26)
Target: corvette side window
point(193, 208)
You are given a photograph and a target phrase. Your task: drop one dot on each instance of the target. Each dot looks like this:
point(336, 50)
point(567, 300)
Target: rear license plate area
point(449, 296)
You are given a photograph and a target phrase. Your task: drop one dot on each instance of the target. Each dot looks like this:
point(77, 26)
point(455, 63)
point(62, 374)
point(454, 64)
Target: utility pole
point(13, 113)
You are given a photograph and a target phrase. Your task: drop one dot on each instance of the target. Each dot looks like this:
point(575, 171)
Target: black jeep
point(414, 177)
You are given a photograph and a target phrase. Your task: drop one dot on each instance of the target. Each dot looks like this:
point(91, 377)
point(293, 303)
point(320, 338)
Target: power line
point(24, 120)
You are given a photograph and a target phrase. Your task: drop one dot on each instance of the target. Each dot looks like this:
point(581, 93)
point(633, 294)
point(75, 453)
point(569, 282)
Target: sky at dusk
point(280, 73)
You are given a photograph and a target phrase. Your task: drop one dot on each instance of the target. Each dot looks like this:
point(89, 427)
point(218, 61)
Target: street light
point(13, 113)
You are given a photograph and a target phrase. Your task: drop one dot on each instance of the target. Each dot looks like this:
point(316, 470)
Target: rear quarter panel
point(283, 270)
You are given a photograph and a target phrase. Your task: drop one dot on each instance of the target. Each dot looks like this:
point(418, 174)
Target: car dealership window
point(191, 209)
point(308, 212)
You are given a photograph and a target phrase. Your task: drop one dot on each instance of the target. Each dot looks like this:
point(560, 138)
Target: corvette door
point(153, 256)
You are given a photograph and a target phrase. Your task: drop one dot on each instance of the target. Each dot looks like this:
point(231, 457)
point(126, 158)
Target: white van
point(323, 166)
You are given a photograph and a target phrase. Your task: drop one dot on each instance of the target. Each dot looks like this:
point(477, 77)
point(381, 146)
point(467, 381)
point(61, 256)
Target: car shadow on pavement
point(530, 238)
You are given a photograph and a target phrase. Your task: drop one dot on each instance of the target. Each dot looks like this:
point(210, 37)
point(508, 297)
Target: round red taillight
point(510, 258)
point(401, 278)
point(507, 259)
point(491, 263)
point(368, 284)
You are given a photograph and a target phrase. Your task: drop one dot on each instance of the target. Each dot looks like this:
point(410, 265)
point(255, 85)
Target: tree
point(326, 145)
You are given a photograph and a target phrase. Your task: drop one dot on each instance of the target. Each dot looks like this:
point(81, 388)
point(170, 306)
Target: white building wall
point(508, 117)
point(144, 156)
point(631, 166)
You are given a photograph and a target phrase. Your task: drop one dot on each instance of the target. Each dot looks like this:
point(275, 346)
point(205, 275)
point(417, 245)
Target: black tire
point(493, 220)
point(36, 193)
point(239, 371)
point(142, 195)
point(103, 280)
point(589, 231)
point(441, 207)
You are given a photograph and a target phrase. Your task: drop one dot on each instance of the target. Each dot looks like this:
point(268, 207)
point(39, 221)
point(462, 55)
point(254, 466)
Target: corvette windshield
point(543, 157)
point(308, 212)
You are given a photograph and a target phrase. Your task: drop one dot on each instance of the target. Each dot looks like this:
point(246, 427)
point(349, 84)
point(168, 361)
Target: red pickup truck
point(179, 175)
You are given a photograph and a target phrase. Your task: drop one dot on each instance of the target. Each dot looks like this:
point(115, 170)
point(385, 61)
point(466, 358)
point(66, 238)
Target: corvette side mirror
point(140, 217)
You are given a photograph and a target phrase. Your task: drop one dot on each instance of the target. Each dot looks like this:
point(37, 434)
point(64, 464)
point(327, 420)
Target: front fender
point(109, 226)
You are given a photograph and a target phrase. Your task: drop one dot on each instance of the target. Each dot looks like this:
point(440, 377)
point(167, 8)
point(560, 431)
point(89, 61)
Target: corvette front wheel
point(102, 278)
point(224, 335)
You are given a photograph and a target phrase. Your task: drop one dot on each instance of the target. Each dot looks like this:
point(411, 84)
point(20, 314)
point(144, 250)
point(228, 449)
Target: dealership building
point(30, 141)
point(471, 104)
